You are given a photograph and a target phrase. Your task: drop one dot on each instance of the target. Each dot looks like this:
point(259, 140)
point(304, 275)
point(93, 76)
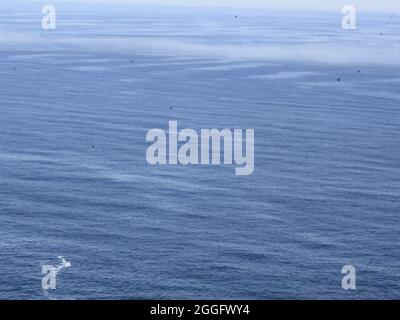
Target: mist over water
point(76, 104)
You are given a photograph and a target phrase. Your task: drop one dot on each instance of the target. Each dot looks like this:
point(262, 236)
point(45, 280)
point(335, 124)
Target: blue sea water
point(76, 104)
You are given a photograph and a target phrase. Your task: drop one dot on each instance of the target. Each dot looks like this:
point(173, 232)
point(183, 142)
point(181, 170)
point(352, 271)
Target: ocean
point(76, 104)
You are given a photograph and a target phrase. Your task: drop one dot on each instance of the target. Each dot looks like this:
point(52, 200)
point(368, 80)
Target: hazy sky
point(370, 5)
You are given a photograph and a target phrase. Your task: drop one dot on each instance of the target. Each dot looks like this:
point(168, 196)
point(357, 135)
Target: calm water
point(75, 107)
